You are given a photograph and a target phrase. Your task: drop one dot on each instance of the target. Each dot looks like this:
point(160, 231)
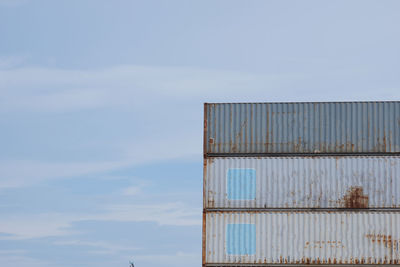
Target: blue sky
point(101, 111)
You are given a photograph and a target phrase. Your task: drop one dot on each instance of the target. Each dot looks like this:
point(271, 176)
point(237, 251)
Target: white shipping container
point(302, 182)
point(302, 237)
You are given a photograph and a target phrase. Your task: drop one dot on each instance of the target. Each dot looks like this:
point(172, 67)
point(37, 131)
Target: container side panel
point(351, 127)
point(303, 182)
point(303, 238)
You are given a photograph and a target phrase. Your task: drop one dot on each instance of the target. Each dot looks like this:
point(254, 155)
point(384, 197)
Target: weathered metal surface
point(303, 238)
point(351, 127)
point(302, 182)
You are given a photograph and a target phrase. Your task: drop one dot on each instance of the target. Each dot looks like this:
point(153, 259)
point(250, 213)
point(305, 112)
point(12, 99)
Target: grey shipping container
point(331, 127)
point(284, 238)
point(302, 182)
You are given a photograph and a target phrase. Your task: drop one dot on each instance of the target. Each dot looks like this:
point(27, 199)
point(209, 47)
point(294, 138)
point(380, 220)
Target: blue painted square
point(240, 239)
point(241, 184)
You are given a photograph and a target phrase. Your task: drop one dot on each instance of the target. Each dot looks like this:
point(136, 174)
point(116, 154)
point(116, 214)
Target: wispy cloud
point(131, 190)
point(24, 173)
point(28, 226)
point(98, 247)
point(10, 61)
point(20, 173)
point(18, 227)
point(163, 214)
point(143, 88)
point(40, 89)
point(22, 260)
point(177, 259)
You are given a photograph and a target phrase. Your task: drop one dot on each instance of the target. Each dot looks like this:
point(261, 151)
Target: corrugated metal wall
point(303, 237)
point(357, 127)
point(303, 182)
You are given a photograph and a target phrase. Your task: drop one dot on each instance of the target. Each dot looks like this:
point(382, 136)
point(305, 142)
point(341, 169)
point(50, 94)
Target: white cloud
point(131, 87)
point(137, 188)
point(21, 260)
point(10, 61)
point(177, 259)
point(19, 173)
point(154, 90)
point(132, 190)
point(17, 257)
point(163, 214)
point(24, 173)
point(34, 226)
point(28, 226)
point(100, 247)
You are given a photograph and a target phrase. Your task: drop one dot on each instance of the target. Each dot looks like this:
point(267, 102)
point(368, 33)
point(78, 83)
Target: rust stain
point(299, 145)
point(384, 141)
point(323, 244)
point(355, 198)
point(205, 130)
point(204, 254)
point(385, 240)
point(267, 132)
point(239, 136)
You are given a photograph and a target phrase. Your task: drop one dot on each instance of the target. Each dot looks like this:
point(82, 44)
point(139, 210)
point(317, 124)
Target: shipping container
point(257, 238)
point(302, 182)
point(331, 127)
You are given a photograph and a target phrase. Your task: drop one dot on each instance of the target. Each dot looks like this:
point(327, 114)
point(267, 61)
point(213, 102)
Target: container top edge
point(305, 156)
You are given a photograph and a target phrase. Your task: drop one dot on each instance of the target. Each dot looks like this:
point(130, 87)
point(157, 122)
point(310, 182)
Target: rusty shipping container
point(302, 182)
point(331, 127)
point(302, 238)
point(294, 184)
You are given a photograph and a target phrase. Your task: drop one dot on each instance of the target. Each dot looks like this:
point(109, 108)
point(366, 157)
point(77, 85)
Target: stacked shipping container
point(301, 183)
